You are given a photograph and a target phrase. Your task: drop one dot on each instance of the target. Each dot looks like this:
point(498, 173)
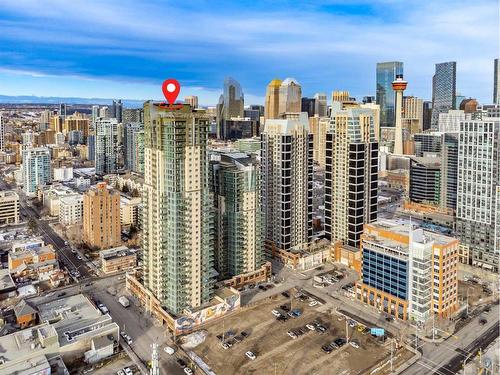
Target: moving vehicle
point(250, 355)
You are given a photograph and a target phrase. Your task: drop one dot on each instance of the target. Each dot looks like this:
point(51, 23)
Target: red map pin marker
point(171, 89)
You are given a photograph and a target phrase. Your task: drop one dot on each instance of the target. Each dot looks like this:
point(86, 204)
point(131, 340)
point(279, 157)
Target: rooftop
point(6, 281)
point(116, 252)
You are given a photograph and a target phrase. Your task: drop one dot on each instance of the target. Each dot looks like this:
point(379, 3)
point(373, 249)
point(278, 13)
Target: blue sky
point(125, 49)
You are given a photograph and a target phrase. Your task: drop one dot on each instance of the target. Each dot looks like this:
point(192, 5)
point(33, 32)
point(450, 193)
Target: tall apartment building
point(408, 273)
point(133, 143)
point(286, 180)
point(36, 169)
point(444, 87)
point(375, 108)
point(133, 115)
point(78, 123)
point(425, 180)
point(106, 146)
point(496, 82)
point(178, 207)
point(272, 103)
point(290, 96)
point(192, 100)
point(450, 121)
point(351, 176)
point(308, 105)
point(2, 134)
point(319, 127)
point(94, 115)
point(478, 179)
point(239, 219)
point(45, 120)
point(101, 217)
point(71, 210)
point(116, 110)
point(427, 143)
point(386, 74)
point(412, 116)
point(449, 170)
point(9, 207)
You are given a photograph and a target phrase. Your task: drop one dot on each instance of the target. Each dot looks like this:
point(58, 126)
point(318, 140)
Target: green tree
point(32, 225)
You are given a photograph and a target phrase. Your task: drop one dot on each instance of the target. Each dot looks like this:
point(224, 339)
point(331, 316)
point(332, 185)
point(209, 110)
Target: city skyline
point(253, 49)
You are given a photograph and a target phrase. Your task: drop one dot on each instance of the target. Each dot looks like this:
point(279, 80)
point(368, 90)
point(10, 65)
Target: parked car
point(483, 321)
point(310, 327)
point(282, 318)
point(285, 307)
point(352, 324)
point(340, 318)
point(295, 313)
point(285, 294)
point(292, 335)
point(250, 355)
point(340, 342)
point(225, 345)
point(188, 371)
point(169, 350)
point(276, 313)
point(327, 348)
point(128, 371)
point(354, 344)
point(181, 363)
point(244, 334)
point(313, 303)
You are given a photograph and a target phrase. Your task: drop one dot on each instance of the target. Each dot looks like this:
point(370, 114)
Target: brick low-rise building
point(117, 259)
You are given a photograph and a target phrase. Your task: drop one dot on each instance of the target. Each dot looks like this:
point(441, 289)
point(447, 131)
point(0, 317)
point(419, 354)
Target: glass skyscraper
point(443, 90)
point(386, 73)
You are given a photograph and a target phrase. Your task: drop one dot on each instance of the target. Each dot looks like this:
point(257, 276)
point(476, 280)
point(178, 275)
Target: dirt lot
point(476, 291)
point(277, 353)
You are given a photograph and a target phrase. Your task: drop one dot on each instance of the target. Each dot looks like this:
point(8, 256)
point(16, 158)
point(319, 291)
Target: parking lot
point(294, 346)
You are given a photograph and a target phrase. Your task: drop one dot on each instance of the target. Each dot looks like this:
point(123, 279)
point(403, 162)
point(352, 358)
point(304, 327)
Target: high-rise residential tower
point(351, 175)
point(290, 96)
point(496, 82)
point(271, 108)
point(2, 134)
point(36, 169)
point(449, 170)
point(412, 116)
point(286, 180)
point(177, 218)
point(133, 144)
point(478, 181)
point(386, 74)
point(239, 224)
point(106, 146)
point(101, 217)
point(444, 84)
point(116, 110)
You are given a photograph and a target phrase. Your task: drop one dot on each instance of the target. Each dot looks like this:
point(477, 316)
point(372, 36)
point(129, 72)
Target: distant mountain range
point(31, 99)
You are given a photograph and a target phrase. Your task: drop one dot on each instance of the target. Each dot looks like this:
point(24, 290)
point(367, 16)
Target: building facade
point(133, 144)
point(286, 175)
point(425, 180)
point(239, 220)
point(407, 272)
point(386, 74)
point(9, 207)
point(496, 82)
point(449, 170)
point(106, 146)
point(271, 108)
point(351, 175)
point(478, 178)
point(71, 210)
point(101, 217)
point(36, 169)
point(178, 207)
point(444, 87)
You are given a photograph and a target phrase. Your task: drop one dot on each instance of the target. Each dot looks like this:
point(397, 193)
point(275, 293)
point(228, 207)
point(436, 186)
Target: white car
point(310, 327)
point(354, 344)
point(250, 355)
point(340, 318)
point(128, 371)
point(78, 257)
point(313, 303)
point(120, 372)
point(225, 345)
point(188, 371)
point(292, 335)
point(169, 350)
point(276, 313)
